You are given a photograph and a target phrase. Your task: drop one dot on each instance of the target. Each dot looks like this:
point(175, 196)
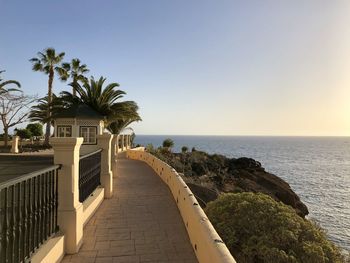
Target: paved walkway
point(141, 223)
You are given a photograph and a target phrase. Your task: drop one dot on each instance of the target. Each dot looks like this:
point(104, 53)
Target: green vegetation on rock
point(256, 228)
point(168, 143)
point(184, 149)
point(224, 175)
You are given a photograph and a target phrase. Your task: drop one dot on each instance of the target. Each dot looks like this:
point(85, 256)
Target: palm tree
point(127, 114)
point(7, 82)
point(184, 149)
point(74, 70)
point(168, 144)
point(39, 111)
point(104, 100)
point(118, 126)
point(47, 62)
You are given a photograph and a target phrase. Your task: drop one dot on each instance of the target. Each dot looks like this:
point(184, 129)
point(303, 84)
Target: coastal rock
point(250, 176)
point(207, 173)
point(244, 163)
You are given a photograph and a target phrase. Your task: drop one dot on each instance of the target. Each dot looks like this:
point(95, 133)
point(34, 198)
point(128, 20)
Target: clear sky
point(198, 67)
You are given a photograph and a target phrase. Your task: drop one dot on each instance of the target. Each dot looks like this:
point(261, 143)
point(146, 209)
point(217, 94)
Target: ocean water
point(317, 168)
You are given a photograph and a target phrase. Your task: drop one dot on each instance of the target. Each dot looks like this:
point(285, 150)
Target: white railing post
point(14, 145)
point(117, 144)
point(114, 153)
point(104, 142)
point(122, 140)
point(70, 210)
point(128, 141)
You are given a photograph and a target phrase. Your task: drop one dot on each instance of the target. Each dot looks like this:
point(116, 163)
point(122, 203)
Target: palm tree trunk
point(49, 100)
point(74, 91)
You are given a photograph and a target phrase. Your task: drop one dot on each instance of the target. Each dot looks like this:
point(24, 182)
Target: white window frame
point(89, 133)
point(65, 129)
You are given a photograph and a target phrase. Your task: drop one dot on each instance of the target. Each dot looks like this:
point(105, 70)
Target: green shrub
point(3, 135)
point(184, 149)
point(168, 143)
point(256, 228)
point(24, 133)
point(150, 148)
point(36, 129)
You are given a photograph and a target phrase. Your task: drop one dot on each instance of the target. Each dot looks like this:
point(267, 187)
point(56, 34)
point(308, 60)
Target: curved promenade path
point(141, 223)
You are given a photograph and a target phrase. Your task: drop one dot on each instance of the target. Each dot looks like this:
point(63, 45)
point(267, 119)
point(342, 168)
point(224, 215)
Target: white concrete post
point(122, 139)
point(70, 210)
point(128, 141)
point(14, 146)
point(104, 142)
point(117, 144)
point(114, 154)
point(125, 142)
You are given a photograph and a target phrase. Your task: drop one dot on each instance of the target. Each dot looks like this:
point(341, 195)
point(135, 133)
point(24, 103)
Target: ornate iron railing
point(89, 174)
point(28, 213)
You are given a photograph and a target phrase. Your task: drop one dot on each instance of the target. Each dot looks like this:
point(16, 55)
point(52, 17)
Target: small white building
point(80, 121)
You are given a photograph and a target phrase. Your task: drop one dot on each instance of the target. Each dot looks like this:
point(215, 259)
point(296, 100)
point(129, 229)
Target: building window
point(89, 134)
point(64, 131)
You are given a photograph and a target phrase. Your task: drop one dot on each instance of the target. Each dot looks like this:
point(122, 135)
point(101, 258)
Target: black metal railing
point(120, 142)
point(28, 213)
point(89, 174)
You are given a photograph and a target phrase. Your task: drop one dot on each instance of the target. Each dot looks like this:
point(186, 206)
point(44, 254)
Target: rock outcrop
point(209, 174)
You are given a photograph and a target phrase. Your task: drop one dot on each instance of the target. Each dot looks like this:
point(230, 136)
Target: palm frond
point(105, 100)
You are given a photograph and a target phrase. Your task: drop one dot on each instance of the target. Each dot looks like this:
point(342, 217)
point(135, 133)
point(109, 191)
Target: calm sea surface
point(317, 168)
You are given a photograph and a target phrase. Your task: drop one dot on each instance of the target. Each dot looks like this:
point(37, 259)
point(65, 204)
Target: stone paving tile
point(140, 223)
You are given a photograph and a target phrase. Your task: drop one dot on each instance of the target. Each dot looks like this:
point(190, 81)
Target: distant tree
point(256, 228)
point(3, 90)
point(184, 149)
point(48, 62)
point(194, 149)
point(36, 129)
point(168, 143)
point(74, 70)
point(23, 133)
point(14, 109)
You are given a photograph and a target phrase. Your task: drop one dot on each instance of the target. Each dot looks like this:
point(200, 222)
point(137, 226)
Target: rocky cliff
point(209, 175)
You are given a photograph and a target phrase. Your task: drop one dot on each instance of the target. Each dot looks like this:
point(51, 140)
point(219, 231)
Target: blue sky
point(198, 67)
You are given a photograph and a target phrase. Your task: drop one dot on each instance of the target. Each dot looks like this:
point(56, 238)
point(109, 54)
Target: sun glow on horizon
point(230, 68)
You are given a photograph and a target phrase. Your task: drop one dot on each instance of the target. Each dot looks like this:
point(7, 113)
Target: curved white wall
point(205, 240)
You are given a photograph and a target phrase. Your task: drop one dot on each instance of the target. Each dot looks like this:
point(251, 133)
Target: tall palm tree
point(48, 62)
point(7, 82)
point(104, 100)
point(75, 71)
